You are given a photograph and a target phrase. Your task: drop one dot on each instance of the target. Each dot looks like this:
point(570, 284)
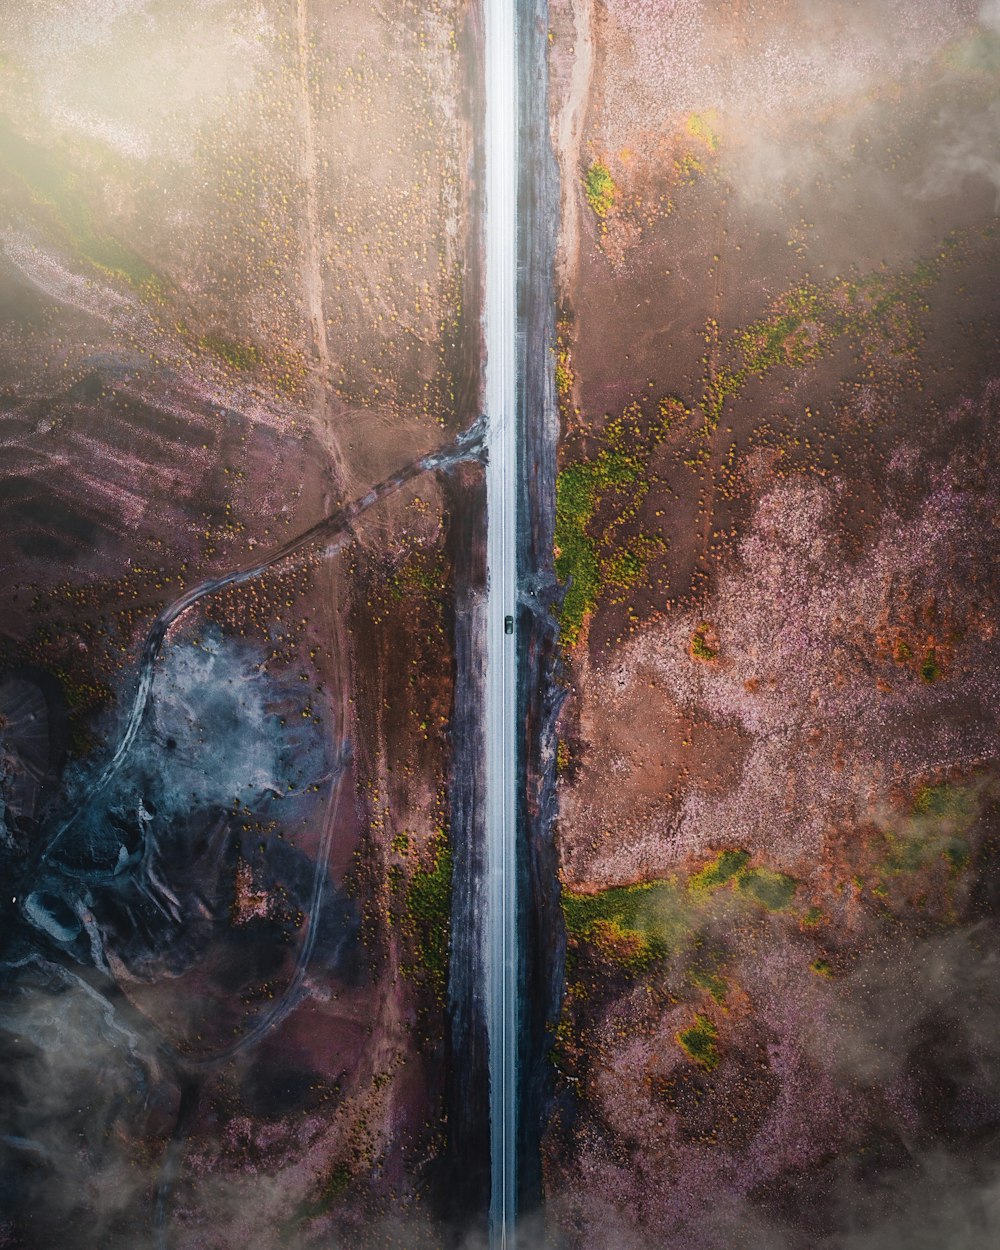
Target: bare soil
point(809, 652)
point(238, 285)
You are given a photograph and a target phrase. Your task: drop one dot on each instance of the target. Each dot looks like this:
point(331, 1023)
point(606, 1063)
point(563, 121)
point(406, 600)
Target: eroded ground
point(777, 505)
point(235, 269)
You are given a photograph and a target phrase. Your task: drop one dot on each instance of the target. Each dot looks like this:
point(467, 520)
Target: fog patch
point(75, 1089)
point(969, 151)
point(214, 731)
point(670, 59)
point(989, 15)
point(140, 75)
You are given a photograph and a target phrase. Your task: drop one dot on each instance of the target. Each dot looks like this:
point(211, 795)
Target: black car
point(508, 624)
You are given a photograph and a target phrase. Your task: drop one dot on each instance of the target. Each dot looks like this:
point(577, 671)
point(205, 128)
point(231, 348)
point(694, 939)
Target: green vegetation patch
point(699, 648)
point(329, 1192)
point(600, 189)
point(914, 851)
point(879, 312)
point(699, 1042)
point(977, 54)
point(621, 904)
point(940, 818)
point(564, 372)
point(632, 925)
point(596, 564)
point(804, 323)
point(242, 356)
point(722, 869)
point(950, 806)
point(429, 911)
point(773, 890)
point(633, 951)
point(635, 926)
point(711, 981)
point(957, 853)
point(930, 670)
point(946, 801)
point(335, 1184)
point(576, 557)
point(821, 968)
point(793, 334)
point(423, 573)
point(702, 126)
point(624, 569)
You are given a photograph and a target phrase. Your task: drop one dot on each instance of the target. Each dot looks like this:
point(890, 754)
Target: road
point(500, 331)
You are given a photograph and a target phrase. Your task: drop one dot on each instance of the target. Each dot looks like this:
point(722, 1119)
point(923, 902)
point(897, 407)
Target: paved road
point(500, 327)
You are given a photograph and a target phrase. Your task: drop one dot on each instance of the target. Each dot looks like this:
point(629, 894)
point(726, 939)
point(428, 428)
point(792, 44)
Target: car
point(508, 624)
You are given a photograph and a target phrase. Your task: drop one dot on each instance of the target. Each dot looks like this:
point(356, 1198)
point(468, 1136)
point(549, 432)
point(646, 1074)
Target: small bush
point(930, 670)
point(564, 374)
point(600, 189)
point(429, 912)
point(699, 648)
point(698, 1042)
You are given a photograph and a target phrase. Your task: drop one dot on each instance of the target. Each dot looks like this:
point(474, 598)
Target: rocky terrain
point(777, 368)
point(238, 288)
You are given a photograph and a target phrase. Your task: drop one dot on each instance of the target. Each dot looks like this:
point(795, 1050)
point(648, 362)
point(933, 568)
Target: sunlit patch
point(142, 76)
